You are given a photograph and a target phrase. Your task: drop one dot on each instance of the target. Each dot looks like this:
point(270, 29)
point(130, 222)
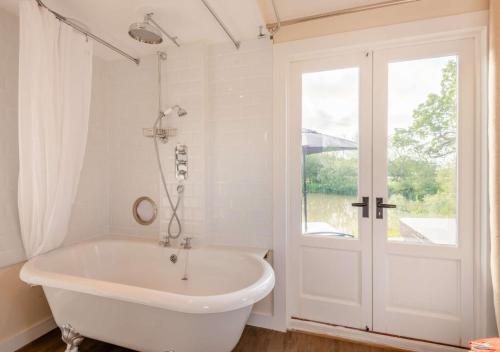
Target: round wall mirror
point(144, 210)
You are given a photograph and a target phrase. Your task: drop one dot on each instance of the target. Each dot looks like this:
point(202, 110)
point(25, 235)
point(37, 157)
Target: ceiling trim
point(363, 8)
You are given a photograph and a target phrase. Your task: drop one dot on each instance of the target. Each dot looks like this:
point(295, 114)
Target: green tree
point(422, 168)
point(413, 179)
point(432, 134)
point(332, 173)
point(340, 175)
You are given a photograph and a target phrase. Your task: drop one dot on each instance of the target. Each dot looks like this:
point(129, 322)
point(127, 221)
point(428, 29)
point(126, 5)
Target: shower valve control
point(181, 162)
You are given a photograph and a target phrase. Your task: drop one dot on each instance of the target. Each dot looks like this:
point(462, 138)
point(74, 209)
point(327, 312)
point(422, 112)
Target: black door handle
point(365, 205)
point(381, 206)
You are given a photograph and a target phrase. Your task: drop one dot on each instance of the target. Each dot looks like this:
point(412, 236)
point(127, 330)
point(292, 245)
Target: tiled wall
point(185, 84)
point(131, 104)
point(228, 129)
point(239, 154)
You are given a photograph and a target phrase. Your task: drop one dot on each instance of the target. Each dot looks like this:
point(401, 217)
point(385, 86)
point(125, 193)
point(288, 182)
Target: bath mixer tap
point(186, 244)
point(164, 242)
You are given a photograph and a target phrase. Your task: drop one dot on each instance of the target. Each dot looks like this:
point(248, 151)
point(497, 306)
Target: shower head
point(145, 32)
point(180, 111)
point(149, 31)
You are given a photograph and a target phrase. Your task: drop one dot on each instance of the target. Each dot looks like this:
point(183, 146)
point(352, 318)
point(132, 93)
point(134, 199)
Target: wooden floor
point(253, 340)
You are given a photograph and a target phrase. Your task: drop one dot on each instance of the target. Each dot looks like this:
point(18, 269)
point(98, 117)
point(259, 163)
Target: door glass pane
point(422, 155)
point(330, 131)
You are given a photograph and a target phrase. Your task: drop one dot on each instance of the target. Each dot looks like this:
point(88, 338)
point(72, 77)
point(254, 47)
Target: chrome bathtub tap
point(164, 242)
point(186, 244)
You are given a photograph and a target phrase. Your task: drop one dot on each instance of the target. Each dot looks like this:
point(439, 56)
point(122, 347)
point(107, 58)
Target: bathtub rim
point(230, 301)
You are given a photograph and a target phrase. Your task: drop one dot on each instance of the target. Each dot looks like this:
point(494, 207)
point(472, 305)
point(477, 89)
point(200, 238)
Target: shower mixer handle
point(181, 162)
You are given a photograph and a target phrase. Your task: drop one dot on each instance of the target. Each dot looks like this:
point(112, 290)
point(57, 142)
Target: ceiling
point(292, 9)
point(189, 20)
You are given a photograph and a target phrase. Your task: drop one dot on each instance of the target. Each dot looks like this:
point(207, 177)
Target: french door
point(382, 160)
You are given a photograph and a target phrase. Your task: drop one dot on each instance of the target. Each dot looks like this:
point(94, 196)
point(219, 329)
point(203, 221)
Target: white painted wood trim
point(369, 337)
point(484, 310)
point(24, 337)
point(262, 320)
point(470, 25)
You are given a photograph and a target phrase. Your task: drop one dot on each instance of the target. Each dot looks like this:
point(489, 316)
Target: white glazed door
point(394, 127)
point(332, 240)
point(423, 137)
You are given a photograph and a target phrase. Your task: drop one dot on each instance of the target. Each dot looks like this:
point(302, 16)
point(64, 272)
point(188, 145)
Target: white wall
point(240, 146)
point(11, 249)
point(185, 78)
point(131, 104)
point(228, 129)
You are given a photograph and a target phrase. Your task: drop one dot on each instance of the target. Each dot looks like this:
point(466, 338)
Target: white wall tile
point(239, 155)
point(228, 129)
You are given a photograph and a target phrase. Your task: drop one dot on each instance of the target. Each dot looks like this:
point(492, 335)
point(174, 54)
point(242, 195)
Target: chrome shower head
point(145, 32)
point(181, 112)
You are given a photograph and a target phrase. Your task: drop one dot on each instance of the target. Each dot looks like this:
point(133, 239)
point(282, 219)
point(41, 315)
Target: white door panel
point(331, 253)
point(422, 261)
point(402, 122)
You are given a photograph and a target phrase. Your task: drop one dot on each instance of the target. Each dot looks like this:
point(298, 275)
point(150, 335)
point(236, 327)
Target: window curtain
point(494, 150)
point(55, 72)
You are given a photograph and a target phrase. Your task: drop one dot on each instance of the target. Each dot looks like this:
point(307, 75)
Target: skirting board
point(260, 320)
point(367, 337)
point(22, 338)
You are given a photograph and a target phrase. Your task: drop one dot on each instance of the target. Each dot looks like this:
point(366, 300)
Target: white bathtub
point(128, 292)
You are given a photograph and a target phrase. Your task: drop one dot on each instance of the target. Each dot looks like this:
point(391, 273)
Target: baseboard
point(265, 321)
point(24, 337)
point(370, 338)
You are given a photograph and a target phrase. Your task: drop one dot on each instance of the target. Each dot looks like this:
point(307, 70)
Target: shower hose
point(180, 188)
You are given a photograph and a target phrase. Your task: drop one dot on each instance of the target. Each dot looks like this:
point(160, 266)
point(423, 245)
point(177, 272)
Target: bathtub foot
point(71, 338)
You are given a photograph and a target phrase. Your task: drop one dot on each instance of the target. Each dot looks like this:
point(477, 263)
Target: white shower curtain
point(55, 73)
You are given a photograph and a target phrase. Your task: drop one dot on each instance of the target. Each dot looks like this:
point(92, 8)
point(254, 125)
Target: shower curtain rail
point(374, 6)
point(89, 34)
point(221, 23)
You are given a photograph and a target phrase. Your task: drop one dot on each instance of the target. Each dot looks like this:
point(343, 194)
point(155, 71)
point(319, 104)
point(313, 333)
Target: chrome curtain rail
point(172, 38)
point(235, 42)
point(378, 5)
point(87, 33)
point(275, 28)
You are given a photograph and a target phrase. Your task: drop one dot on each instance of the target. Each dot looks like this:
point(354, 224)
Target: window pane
point(330, 114)
point(422, 130)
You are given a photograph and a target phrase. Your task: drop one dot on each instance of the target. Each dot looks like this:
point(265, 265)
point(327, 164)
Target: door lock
point(365, 205)
point(381, 206)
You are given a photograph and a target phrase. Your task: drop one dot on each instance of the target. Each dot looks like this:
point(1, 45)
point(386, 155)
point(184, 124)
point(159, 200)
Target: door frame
point(471, 25)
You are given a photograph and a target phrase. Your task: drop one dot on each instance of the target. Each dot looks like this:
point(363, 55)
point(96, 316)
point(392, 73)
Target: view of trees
point(422, 158)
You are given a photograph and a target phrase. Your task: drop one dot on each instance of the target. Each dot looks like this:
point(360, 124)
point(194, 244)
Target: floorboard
point(253, 339)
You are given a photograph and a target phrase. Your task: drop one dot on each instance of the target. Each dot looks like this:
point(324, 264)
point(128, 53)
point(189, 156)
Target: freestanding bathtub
point(130, 293)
